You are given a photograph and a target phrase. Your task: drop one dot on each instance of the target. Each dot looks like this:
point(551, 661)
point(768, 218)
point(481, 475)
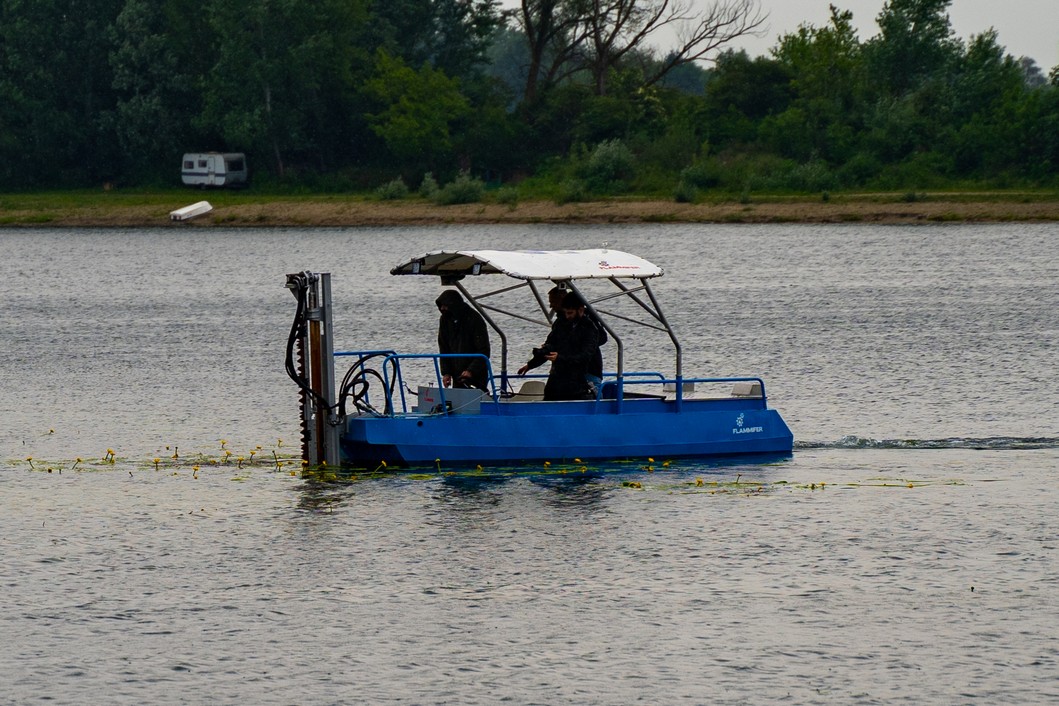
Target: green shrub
point(920, 171)
point(610, 167)
point(393, 190)
point(859, 170)
point(753, 171)
point(428, 187)
point(507, 195)
point(811, 176)
point(685, 193)
point(463, 189)
point(572, 191)
point(703, 175)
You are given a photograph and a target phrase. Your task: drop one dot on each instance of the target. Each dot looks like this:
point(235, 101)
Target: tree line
point(572, 97)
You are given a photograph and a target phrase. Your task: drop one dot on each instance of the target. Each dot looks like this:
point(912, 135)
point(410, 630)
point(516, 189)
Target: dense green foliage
point(379, 95)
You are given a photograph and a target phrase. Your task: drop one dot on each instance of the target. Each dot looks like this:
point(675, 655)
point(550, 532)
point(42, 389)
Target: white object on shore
point(189, 212)
point(204, 169)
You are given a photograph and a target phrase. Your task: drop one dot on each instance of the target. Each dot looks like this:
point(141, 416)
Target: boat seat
point(610, 392)
point(531, 390)
point(746, 389)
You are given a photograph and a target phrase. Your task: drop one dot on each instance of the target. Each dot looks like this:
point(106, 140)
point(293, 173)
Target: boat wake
point(986, 443)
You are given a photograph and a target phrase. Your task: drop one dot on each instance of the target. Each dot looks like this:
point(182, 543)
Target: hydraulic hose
point(355, 386)
point(298, 333)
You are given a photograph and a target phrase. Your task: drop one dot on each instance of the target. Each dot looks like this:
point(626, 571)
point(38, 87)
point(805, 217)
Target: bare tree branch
point(555, 32)
point(699, 36)
point(566, 36)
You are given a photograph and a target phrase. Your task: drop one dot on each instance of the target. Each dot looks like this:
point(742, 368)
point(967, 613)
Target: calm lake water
point(162, 547)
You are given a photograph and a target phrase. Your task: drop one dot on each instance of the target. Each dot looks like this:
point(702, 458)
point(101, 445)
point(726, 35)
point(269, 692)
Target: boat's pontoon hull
point(564, 431)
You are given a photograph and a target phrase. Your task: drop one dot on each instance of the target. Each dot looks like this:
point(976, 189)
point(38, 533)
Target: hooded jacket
point(462, 330)
point(577, 342)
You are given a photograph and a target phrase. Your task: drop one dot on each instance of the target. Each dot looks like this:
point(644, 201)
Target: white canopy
point(531, 264)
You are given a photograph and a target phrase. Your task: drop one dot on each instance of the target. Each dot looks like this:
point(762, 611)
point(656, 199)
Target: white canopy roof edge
point(531, 264)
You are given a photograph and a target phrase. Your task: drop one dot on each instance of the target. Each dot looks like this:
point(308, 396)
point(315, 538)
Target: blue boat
point(375, 417)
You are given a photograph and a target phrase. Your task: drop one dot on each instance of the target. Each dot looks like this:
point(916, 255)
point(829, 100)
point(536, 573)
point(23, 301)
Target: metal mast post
point(321, 427)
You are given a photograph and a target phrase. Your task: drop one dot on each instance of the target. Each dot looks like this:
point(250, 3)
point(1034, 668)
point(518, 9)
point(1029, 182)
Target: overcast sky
point(1024, 27)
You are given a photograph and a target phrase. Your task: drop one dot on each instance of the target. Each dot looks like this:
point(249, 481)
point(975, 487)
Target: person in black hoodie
point(462, 330)
point(595, 366)
point(594, 372)
point(571, 347)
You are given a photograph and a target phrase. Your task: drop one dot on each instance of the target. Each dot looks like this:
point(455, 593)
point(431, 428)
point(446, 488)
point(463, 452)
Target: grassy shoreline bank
point(249, 209)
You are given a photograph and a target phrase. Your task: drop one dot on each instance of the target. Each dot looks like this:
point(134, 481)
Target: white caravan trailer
point(214, 169)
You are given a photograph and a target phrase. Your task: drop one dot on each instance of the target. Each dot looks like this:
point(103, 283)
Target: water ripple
point(994, 443)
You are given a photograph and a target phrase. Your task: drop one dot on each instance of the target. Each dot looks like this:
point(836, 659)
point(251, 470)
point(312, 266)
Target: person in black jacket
point(571, 347)
point(462, 330)
point(594, 372)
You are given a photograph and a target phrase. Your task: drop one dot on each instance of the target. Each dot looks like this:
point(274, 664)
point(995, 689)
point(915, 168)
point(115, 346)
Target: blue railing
point(394, 361)
point(391, 363)
point(632, 379)
point(397, 391)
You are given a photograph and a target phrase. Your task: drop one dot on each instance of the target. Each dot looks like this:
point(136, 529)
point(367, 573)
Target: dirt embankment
point(350, 212)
